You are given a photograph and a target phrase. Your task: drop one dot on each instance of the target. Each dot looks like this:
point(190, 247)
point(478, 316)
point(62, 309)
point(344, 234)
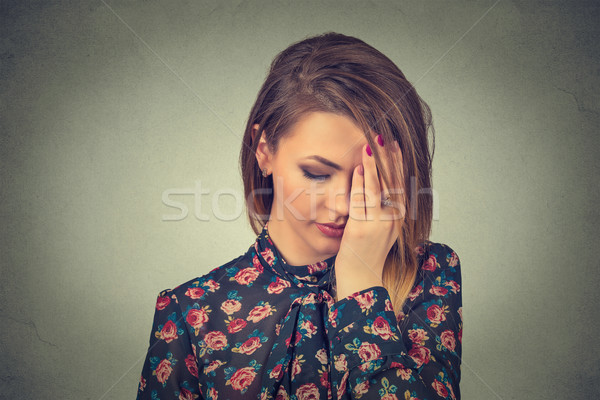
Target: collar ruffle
point(315, 277)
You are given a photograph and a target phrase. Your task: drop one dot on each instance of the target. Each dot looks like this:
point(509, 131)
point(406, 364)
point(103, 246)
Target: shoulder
point(434, 256)
point(439, 278)
point(202, 288)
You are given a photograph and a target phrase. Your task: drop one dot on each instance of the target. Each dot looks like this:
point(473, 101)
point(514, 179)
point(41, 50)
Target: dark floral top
point(259, 328)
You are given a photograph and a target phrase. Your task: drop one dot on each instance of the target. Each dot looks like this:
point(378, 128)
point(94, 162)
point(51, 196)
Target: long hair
point(343, 75)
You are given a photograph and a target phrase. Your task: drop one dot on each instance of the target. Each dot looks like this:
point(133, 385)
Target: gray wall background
point(105, 105)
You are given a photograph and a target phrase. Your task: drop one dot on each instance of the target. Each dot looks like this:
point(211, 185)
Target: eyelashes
point(318, 178)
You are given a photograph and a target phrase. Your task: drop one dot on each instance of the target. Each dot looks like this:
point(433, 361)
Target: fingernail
point(369, 152)
point(380, 140)
point(361, 170)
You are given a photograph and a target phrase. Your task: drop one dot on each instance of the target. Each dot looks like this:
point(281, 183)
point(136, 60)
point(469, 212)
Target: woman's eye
point(310, 176)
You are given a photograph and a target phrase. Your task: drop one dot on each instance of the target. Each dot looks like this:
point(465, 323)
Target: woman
point(342, 295)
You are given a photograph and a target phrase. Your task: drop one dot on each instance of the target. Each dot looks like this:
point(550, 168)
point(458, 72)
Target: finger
point(372, 183)
point(383, 152)
point(390, 160)
point(357, 198)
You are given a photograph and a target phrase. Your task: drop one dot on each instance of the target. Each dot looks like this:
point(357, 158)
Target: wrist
point(351, 278)
point(346, 289)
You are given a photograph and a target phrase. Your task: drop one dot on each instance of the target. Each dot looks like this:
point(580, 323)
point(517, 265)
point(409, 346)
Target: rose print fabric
point(259, 328)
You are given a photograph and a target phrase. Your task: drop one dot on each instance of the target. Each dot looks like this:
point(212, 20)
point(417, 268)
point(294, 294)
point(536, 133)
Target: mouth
point(330, 230)
point(334, 226)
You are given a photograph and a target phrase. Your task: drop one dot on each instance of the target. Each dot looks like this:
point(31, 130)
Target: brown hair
point(343, 75)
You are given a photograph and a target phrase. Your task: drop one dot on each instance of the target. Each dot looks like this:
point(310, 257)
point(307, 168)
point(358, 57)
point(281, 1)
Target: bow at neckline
point(313, 294)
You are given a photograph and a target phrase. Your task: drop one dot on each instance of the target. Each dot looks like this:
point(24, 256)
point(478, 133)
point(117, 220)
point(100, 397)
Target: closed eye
point(310, 176)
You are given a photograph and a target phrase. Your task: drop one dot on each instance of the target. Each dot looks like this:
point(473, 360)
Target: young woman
point(342, 295)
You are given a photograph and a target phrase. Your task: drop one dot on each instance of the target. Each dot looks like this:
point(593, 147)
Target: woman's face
point(312, 176)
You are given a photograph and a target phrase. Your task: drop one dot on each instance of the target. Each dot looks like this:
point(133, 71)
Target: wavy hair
point(341, 74)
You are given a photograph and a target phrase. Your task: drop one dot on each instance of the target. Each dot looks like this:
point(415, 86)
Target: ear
point(263, 153)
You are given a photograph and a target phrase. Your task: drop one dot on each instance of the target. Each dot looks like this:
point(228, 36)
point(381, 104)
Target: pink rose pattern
point(258, 328)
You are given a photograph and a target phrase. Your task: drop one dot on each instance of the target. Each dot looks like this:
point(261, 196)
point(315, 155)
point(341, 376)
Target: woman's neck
point(290, 246)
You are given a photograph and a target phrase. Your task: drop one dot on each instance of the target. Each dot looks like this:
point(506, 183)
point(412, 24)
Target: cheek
point(303, 195)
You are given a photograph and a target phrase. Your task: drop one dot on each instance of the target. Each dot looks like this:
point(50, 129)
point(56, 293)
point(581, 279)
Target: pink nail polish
point(369, 152)
point(380, 140)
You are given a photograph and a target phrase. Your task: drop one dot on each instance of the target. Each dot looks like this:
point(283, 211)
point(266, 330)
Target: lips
point(334, 226)
point(331, 231)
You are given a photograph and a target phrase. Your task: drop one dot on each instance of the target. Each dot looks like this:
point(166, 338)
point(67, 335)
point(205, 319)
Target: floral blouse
point(259, 328)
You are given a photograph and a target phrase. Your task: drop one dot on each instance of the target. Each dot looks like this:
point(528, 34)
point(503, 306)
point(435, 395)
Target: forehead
point(326, 134)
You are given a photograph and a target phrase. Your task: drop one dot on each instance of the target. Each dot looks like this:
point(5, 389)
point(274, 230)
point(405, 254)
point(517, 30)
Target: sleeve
point(170, 370)
point(415, 356)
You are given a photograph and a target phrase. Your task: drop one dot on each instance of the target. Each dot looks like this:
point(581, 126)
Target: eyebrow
point(325, 161)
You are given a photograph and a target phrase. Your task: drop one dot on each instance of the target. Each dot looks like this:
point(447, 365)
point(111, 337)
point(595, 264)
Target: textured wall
point(107, 104)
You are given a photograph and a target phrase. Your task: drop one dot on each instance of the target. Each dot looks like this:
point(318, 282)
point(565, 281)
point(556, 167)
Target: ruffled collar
point(315, 276)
